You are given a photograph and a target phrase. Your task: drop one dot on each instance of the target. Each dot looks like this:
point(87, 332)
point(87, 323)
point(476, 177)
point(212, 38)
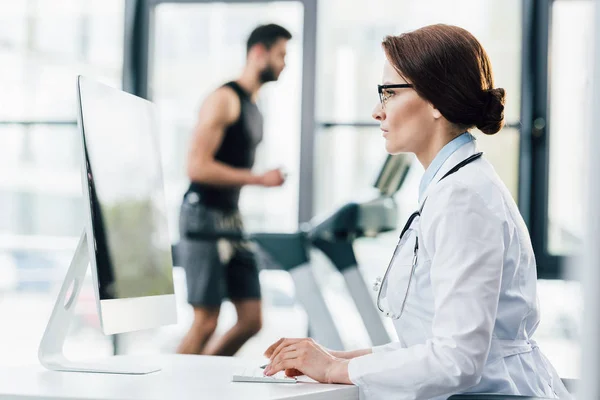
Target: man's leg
point(204, 275)
point(243, 288)
point(249, 322)
point(203, 327)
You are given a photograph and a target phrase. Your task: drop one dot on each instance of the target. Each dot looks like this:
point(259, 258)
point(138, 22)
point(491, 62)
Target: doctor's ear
point(435, 113)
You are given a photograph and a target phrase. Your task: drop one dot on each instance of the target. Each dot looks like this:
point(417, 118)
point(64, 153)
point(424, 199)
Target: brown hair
point(267, 35)
point(449, 68)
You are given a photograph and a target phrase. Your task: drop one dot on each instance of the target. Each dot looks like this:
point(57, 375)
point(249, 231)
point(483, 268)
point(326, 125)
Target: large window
point(571, 38)
point(42, 49)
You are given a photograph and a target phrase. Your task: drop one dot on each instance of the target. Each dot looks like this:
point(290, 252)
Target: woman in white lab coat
point(461, 286)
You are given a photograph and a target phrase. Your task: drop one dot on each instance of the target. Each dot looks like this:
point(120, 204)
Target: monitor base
point(109, 365)
point(50, 352)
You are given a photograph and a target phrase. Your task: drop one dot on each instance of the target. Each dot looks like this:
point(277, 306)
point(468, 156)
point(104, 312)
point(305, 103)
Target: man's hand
point(272, 178)
point(305, 356)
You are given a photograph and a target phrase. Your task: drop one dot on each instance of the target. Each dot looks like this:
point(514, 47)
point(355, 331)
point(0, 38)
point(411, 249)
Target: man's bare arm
point(221, 109)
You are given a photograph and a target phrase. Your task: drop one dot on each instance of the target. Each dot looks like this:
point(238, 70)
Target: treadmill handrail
point(216, 235)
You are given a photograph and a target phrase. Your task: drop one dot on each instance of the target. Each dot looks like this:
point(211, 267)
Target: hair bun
point(492, 112)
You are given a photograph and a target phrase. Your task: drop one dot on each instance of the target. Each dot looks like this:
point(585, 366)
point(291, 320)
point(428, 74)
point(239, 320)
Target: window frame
point(534, 163)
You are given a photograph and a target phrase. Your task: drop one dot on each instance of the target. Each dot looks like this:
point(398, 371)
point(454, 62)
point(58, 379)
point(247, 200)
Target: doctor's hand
point(306, 357)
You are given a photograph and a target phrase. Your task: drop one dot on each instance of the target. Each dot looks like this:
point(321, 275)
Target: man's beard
point(267, 75)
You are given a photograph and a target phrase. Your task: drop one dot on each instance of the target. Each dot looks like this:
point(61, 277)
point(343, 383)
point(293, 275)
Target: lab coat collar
point(459, 155)
point(439, 159)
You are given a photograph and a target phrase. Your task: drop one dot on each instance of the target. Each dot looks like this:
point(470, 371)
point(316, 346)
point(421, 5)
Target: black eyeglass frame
point(381, 88)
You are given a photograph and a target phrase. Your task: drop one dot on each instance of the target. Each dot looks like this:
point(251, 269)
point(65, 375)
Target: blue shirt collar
point(440, 158)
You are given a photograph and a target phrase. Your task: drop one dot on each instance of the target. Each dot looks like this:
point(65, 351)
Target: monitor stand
point(50, 352)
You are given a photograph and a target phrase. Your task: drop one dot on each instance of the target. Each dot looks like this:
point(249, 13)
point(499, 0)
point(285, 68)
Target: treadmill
point(335, 236)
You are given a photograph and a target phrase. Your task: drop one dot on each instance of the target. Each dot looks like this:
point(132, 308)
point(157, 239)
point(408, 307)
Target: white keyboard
point(258, 375)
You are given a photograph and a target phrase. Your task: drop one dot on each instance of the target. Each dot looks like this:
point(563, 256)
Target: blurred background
point(317, 125)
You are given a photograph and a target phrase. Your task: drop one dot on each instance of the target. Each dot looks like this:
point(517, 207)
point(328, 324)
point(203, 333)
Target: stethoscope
point(380, 284)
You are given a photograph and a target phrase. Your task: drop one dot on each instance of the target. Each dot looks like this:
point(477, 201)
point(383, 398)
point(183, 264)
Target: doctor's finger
point(286, 354)
point(283, 365)
point(269, 352)
point(283, 345)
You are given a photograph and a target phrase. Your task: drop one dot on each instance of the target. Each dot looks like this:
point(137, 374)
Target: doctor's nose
point(378, 112)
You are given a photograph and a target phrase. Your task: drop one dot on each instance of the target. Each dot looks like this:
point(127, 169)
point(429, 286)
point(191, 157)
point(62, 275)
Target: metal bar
point(541, 123)
point(307, 124)
point(216, 235)
point(36, 123)
point(528, 64)
point(590, 273)
point(136, 57)
point(535, 143)
point(129, 37)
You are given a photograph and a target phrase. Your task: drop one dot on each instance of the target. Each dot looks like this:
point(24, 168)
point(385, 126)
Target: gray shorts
point(215, 269)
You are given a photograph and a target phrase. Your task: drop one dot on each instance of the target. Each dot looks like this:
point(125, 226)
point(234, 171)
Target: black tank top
point(237, 150)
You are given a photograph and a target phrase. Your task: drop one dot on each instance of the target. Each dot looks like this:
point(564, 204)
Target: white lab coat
point(472, 306)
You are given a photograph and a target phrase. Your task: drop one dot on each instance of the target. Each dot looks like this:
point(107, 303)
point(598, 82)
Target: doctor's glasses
point(402, 271)
point(386, 92)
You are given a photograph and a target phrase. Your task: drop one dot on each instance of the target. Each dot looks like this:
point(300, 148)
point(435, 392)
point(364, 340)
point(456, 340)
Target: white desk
point(182, 377)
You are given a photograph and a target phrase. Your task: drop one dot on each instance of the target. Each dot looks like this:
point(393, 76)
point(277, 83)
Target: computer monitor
point(125, 205)
point(126, 238)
